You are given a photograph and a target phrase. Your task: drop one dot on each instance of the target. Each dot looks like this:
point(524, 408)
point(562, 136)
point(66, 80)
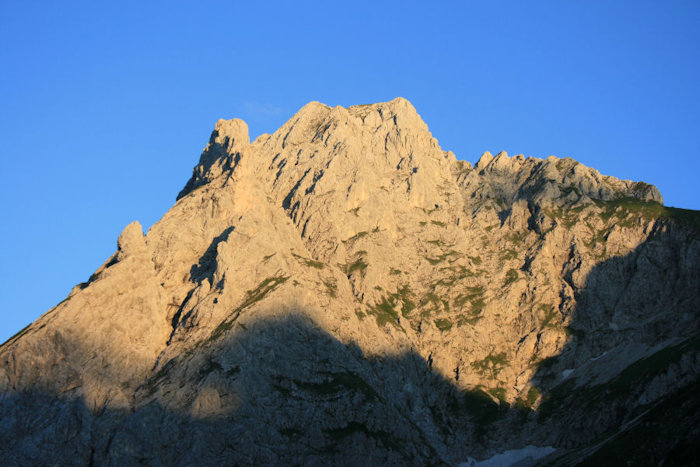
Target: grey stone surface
point(344, 291)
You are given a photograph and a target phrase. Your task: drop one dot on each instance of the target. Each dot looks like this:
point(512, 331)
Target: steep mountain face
point(345, 291)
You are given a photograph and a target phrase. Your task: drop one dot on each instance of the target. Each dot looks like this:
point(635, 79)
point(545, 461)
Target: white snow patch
point(565, 374)
point(521, 457)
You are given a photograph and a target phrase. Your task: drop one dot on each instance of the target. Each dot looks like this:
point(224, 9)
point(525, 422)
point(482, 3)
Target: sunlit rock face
point(344, 291)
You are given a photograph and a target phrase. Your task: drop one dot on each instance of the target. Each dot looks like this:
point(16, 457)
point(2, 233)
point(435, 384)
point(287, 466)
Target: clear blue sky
point(105, 106)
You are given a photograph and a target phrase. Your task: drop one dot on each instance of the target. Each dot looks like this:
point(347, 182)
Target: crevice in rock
point(287, 202)
point(176, 317)
point(206, 266)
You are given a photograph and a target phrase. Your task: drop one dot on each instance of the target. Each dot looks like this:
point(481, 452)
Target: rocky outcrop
point(345, 291)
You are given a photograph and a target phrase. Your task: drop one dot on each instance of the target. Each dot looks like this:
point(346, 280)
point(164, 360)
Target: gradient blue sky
point(105, 106)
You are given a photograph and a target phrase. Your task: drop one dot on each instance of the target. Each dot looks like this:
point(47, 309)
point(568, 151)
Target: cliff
point(345, 291)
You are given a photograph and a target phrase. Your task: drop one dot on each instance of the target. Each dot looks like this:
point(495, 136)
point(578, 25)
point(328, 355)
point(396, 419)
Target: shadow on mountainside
point(625, 387)
point(206, 265)
point(279, 391)
point(283, 391)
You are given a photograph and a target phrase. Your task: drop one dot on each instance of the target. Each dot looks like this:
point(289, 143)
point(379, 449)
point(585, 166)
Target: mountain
point(344, 291)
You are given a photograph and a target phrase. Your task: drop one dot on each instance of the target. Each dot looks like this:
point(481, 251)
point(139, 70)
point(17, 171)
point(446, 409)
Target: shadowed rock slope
point(345, 291)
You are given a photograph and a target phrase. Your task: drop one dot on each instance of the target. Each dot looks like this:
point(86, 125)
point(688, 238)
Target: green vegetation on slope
point(491, 365)
point(252, 297)
point(635, 375)
point(309, 262)
point(620, 210)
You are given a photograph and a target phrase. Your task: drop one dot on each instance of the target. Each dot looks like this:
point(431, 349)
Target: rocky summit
point(346, 292)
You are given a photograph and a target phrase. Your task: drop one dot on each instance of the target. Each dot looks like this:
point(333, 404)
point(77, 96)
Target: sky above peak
point(105, 107)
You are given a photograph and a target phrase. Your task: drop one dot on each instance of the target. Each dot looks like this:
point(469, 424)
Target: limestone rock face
point(228, 141)
point(344, 291)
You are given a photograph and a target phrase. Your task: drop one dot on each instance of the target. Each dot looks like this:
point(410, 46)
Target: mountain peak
point(310, 289)
point(396, 106)
point(398, 110)
point(227, 142)
point(231, 135)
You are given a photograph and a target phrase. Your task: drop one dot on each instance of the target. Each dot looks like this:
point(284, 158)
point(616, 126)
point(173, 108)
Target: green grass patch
point(515, 238)
point(309, 262)
point(458, 273)
point(462, 168)
point(598, 237)
point(384, 312)
point(626, 212)
point(432, 298)
point(473, 296)
point(509, 254)
point(261, 291)
point(511, 276)
point(463, 320)
point(405, 295)
point(442, 257)
point(431, 303)
point(443, 324)
point(472, 292)
point(491, 365)
point(357, 265)
point(566, 216)
point(477, 304)
point(498, 393)
point(532, 395)
point(331, 288)
point(358, 236)
point(151, 384)
point(549, 316)
point(562, 164)
point(438, 223)
point(252, 297)
point(444, 282)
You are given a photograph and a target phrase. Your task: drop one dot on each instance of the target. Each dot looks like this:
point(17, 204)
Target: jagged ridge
point(346, 262)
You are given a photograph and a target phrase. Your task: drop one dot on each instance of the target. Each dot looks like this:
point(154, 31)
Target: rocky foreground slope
point(344, 291)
